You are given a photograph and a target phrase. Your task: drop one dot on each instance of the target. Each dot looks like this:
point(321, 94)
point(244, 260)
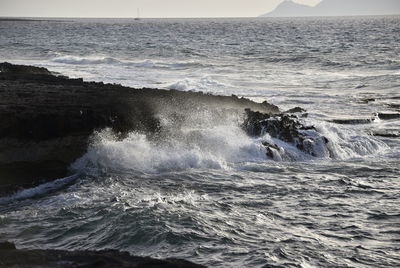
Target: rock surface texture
point(285, 127)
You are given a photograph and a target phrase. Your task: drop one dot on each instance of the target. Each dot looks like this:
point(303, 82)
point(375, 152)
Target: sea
point(217, 198)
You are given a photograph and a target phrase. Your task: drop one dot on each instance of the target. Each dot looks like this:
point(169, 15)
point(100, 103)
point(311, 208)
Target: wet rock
point(367, 100)
point(360, 86)
point(393, 106)
point(359, 121)
point(271, 149)
point(12, 257)
point(295, 110)
point(386, 134)
point(285, 127)
point(388, 116)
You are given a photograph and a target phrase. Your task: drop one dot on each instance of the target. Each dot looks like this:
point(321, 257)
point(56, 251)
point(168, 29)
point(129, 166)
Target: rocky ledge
point(47, 119)
point(12, 257)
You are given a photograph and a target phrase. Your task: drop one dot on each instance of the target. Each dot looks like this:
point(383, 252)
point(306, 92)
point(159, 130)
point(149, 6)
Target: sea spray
point(215, 146)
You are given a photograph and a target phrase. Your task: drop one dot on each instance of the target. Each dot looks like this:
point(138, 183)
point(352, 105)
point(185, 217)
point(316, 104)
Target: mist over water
point(205, 191)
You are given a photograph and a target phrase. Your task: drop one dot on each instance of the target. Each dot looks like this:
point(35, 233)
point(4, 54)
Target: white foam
point(145, 63)
point(205, 83)
point(346, 142)
point(223, 146)
point(216, 147)
point(85, 60)
point(343, 143)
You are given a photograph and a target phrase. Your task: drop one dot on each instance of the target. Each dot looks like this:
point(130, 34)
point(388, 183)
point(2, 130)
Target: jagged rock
point(282, 126)
point(285, 127)
point(12, 257)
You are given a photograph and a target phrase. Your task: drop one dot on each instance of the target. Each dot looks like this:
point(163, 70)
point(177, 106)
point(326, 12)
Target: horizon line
point(252, 17)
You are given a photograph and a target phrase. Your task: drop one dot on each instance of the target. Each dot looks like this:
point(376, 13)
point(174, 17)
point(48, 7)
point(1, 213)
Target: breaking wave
point(205, 84)
point(81, 60)
point(224, 146)
point(41, 189)
point(95, 60)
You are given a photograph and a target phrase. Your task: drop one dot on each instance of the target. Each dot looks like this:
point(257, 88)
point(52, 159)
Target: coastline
point(48, 119)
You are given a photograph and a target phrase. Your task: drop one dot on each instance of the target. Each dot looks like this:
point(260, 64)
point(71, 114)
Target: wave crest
point(147, 63)
point(216, 147)
point(86, 61)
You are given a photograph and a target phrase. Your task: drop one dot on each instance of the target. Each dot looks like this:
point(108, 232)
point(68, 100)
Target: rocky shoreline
point(10, 256)
point(47, 119)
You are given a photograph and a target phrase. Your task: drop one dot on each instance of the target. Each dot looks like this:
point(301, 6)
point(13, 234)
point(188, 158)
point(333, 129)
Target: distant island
point(288, 8)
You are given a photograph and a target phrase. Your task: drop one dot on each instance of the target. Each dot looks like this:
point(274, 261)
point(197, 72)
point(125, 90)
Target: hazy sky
point(148, 8)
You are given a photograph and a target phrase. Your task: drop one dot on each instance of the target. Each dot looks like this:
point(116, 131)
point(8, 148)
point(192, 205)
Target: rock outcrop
point(46, 120)
point(287, 128)
point(12, 257)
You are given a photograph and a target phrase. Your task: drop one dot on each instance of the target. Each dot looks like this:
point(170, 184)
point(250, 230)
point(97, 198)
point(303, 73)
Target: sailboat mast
point(138, 15)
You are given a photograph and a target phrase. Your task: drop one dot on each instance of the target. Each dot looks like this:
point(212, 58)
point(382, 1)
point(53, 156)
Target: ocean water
point(210, 193)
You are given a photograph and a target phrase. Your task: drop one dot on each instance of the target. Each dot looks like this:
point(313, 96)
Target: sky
point(148, 8)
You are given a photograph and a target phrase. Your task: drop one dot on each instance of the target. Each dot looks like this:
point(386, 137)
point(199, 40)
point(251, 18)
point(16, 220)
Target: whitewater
point(207, 192)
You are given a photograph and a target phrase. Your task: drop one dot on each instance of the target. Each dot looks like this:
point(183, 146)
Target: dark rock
point(386, 134)
point(394, 106)
point(46, 120)
point(295, 110)
point(361, 121)
point(285, 127)
point(22, 69)
point(270, 148)
point(388, 116)
point(7, 246)
point(12, 257)
point(367, 100)
point(352, 121)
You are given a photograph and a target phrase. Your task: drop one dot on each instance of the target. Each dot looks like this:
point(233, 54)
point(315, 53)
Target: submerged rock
point(353, 121)
point(12, 257)
point(363, 121)
point(393, 105)
point(295, 110)
point(388, 116)
point(386, 134)
point(47, 120)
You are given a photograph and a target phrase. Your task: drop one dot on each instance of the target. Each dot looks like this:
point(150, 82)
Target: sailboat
point(138, 15)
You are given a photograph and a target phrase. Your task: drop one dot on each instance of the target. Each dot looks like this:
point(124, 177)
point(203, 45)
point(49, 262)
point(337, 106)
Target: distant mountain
point(288, 8)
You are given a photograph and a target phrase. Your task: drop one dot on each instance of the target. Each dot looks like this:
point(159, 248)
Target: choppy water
point(210, 194)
